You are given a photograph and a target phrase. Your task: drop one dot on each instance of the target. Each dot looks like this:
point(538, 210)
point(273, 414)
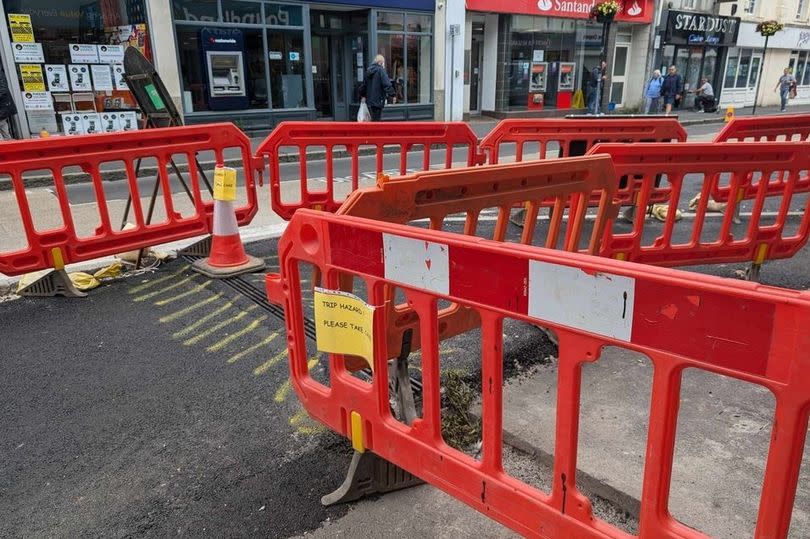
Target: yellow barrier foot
point(52, 283)
point(369, 474)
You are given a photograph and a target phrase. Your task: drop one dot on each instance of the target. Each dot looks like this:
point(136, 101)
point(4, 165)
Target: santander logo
point(582, 7)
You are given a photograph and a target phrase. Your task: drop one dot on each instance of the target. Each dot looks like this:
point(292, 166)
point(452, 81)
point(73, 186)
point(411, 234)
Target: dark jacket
point(7, 106)
point(378, 86)
point(672, 86)
point(596, 77)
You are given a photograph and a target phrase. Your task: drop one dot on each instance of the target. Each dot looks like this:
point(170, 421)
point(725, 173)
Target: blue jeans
point(784, 95)
point(593, 101)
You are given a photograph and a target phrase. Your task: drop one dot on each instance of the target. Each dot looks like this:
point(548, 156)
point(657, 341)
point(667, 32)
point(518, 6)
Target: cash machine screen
point(225, 73)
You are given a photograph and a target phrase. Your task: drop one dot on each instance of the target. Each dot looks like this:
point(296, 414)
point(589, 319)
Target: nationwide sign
point(640, 11)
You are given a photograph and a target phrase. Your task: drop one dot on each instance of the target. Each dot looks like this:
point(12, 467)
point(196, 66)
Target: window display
point(406, 42)
point(64, 60)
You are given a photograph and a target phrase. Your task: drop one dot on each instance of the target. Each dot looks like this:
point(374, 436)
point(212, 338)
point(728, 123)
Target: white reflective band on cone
point(224, 219)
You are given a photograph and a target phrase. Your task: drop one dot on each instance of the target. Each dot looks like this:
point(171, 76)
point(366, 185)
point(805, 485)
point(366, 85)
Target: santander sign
point(632, 10)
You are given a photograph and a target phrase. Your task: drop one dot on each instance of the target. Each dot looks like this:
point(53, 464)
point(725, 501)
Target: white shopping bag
point(363, 115)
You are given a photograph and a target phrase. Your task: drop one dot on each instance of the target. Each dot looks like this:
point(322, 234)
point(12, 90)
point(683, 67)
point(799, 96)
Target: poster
point(31, 75)
point(295, 57)
point(109, 122)
point(91, 122)
point(28, 53)
point(72, 124)
point(83, 54)
point(538, 55)
point(539, 76)
point(102, 77)
point(39, 120)
point(111, 54)
point(276, 55)
point(118, 77)
point(37, 101)
point(57, 78)
point(566, 83)
point(80, 78)
point(128, 121)
point(21, 29)
point(133, 35)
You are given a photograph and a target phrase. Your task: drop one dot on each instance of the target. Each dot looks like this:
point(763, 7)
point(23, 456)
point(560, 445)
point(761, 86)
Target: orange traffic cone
point(227, 257)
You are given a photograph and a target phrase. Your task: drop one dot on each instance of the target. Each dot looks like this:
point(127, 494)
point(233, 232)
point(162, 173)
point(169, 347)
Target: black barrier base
point(53, 283)
point(370, 474)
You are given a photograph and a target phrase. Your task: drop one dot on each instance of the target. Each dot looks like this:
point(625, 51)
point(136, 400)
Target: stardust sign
point(640, 11)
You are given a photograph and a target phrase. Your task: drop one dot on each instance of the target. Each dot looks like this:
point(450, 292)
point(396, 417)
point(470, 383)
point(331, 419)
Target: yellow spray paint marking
point(311, 431)
point(216, 347)
point(284, 389)
point(191, 292)
point(213, 329)
point(264, 367)
point(298, 417)
point(150, 284)
point(236, 357)
point(187, 310)
point(213, 314)
point(163, 290)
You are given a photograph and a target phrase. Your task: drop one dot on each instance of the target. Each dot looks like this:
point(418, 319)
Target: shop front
point(697, 45)
point(258, 63)
point(544, 52)
point(65, 61)
point(789, 48)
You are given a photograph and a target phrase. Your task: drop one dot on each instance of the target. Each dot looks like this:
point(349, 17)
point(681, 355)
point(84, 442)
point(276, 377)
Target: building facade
point(253, 62)
point(533, 58)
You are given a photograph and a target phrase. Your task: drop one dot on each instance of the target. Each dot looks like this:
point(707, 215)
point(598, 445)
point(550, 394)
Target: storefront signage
point(57, 78)
point(102, 77)
point(701, 29)
point(632, 10)
point(37, 100)
point(111, 54)
point(80, 78)
point(791, 37)
point(83, 54)
point(21, 29)
point(31, 75)
point(28, 53)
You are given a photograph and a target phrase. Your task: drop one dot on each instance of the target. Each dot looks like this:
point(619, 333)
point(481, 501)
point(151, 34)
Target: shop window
point(240, 12)
point(283, 15)
point(743, 69)
point(420, 23)
point(731, 71)
point(286, 54)
point(195, 10)
point(391, 22)
point(805, 80)
point(418, 71)
point(391, 46)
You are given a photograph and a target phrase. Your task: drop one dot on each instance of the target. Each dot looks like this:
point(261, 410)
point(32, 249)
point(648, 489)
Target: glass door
point(753, 76)
point(475, 76)
point(619, 74)
point(322, 75)
point(338, 46)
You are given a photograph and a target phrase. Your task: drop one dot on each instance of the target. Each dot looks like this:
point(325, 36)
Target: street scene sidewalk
point(162, 404)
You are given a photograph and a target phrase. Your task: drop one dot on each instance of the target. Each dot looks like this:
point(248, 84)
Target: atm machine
point(224, 60)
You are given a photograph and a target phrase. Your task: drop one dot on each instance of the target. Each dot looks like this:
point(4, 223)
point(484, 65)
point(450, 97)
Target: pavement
point(161, 405)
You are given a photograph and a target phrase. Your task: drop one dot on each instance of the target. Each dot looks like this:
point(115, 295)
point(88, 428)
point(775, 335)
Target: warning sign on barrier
point(344, 324)
point(225, 184)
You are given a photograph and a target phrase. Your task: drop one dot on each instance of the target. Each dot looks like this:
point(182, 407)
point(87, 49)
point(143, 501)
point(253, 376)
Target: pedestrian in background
point(7, 109)
point(704, 97)
point(785, 85)
point(595, 85)
point(671, 89)
point(652, 96)
point(377, 88)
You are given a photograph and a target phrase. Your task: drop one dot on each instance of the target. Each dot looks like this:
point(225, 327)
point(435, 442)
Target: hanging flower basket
point(769, 28)
point(605, 11)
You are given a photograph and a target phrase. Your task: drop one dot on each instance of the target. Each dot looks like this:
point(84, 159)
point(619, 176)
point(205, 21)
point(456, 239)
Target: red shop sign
point(640, 11)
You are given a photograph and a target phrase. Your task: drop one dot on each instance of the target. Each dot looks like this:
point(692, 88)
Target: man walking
point(786, 82)
point(652, 96)
point(7, 108)
point(595, 85)
point(671, 89)
point(377, 88)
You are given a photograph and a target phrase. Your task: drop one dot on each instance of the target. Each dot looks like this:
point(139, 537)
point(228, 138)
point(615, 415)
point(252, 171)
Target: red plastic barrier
point(680, 321)
point(575, 136)
point(412, 139)
point(764, 128)
point(692, 241)
point(88, 154)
